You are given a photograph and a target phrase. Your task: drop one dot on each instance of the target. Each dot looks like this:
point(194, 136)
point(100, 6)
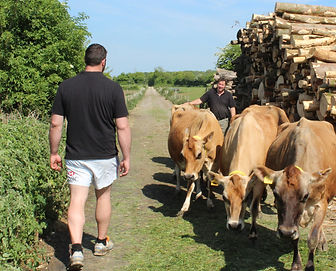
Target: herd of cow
point(260, 148)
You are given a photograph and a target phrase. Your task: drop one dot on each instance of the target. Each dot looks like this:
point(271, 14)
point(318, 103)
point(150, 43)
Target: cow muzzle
point(235, 226)
point(191, 176)
point(288, 232)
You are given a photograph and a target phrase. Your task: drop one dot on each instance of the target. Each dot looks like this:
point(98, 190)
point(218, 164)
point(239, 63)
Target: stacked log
point(289, 60)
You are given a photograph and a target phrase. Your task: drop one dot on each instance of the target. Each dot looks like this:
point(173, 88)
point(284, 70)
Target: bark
point(324, 55)
point(305, 9)
point(325, 104)
point(312, 42)
point(309, 18)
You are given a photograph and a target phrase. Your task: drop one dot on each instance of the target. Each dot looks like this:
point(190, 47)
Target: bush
point(171, 95)
point(31, 194)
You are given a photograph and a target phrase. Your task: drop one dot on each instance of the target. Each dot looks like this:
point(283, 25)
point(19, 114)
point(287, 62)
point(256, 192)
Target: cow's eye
point(199, 156)
point(305, 197)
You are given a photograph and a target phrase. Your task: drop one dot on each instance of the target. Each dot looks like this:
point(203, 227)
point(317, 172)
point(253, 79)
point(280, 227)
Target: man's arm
point(233, 111)
point(196, 102)
point(55, 135)
point(124, 139)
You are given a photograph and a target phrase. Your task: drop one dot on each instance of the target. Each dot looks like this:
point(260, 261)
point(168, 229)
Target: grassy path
point(148, 236)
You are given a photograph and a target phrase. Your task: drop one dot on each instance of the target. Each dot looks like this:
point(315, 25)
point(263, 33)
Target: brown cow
point(194, 142)
point(245, 146)
point(302, 176)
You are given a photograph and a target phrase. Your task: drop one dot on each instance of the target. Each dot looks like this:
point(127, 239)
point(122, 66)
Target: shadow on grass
point(59, 239)
point(167, 161)
point(209, 227)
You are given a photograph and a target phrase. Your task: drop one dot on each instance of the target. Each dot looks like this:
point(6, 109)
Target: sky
point(175, 35)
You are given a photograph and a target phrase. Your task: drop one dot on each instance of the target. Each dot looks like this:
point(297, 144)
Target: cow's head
point(237, 188)
point(293, 188)
point(197, 153)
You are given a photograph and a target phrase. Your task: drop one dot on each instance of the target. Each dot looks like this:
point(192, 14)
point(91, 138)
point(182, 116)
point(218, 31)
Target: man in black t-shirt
point(220, 102)
point(95, 110)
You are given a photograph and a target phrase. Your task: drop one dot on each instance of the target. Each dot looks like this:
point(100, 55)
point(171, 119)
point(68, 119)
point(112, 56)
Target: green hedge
point(31, 194)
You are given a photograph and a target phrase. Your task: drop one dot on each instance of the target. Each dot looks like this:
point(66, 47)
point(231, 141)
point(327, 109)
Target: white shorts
point(102, 172)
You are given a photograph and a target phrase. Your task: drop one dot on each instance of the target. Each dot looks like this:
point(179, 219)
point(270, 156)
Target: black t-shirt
point(219, 105)
point(90, 102)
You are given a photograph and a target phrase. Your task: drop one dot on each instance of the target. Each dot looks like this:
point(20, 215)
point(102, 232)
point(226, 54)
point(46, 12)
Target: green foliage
point(31, 194)
point(172, 95)
point(40, 45)
point(163, 78)
point(133, 97)
point(227, 55)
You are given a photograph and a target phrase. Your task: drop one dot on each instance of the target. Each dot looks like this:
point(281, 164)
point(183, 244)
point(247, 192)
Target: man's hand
point(56, 162)
point(124, 168)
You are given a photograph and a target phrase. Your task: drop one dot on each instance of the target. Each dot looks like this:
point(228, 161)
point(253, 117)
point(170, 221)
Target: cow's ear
point(264, 174)
point(321, 175)
point(208, 137)
point(217, 178)
point(317, 185)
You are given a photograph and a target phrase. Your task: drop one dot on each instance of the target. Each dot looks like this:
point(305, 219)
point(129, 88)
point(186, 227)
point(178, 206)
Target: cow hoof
point(310, 268)
point(180, 213)
point(323, 246)
point(253, 236)
point(210, 204)
point(199, 194)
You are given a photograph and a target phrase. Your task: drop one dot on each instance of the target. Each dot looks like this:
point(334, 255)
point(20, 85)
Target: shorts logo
point(71, 176)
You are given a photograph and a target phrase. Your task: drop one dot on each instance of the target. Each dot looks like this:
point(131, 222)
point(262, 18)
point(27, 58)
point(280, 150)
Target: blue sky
point(176, 35)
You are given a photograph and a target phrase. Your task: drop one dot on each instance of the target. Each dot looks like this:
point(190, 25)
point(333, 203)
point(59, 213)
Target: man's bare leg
point(103, 211)
point(76, 215)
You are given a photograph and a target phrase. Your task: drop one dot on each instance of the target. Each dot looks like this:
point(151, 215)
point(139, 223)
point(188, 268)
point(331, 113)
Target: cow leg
point(186, 203)
point(322, 245)
point(297, 264)
point(315, 235)
point(209, 200)
point(258, 190)
point(198, 186)
point(177, 172)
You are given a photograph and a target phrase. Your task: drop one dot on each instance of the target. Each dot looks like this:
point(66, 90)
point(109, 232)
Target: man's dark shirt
point(219, 105)
point(90, 102)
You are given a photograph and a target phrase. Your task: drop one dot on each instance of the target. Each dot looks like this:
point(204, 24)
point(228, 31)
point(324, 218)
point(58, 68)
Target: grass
point(192, 93)
point(200, 241)
point(179, 95)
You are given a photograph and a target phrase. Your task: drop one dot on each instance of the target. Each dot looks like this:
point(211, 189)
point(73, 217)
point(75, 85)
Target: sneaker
point(76, 260)
point(100, 249)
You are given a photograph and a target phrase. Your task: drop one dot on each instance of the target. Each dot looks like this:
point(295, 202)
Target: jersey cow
point(245, 146)
point(301, 168)
point(194, 142)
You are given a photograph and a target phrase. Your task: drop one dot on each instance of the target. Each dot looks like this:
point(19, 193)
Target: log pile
point(289, 59)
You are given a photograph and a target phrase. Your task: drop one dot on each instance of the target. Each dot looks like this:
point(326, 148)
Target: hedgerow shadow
point(59, 238)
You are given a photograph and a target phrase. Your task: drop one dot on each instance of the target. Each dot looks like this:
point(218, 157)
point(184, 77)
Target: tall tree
point(227, 55)
point(40, 45)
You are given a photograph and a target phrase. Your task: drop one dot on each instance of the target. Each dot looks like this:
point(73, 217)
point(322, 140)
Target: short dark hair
point(222, 78)
point(94, 54)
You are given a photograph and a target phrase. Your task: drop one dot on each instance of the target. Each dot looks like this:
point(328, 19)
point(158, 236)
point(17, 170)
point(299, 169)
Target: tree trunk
point(325, 104)
point(312, 42)
point(324, 55)
point(305, 9)
point(309, 18)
